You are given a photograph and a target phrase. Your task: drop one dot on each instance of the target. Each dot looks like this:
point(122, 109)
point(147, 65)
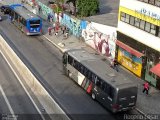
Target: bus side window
point(111, 92)
point(16, 16)
point(89, 75)
point(103, 86)
point(70, 60)
point(81, 69)
point(85, 71)
point(64, 59)
point(98, 82)
point(75, 64)
point(94, 78)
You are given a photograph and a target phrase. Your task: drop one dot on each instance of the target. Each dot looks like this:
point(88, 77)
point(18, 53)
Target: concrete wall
point(42, 95)
point(101, 37)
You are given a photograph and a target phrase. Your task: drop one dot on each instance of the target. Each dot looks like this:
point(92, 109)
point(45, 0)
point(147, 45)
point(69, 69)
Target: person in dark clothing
point(63, 29)
point(115, 65)
point(146, 87)
point(48, 17)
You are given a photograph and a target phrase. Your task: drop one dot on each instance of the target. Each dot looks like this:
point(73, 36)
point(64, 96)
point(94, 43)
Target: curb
point(61, 49)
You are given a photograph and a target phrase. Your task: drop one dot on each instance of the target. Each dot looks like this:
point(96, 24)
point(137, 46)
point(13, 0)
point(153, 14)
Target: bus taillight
point(41, 30)
point(115, 106)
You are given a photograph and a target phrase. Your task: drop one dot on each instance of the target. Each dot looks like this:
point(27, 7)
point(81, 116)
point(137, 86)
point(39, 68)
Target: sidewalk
point(146, 104)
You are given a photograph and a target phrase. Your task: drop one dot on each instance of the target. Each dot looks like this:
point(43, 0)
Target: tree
point(74, 4)
point(57, 5)
point(87, 7)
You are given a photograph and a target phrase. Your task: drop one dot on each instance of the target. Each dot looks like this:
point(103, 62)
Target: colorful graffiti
point(129, 61)
point(103, 43)
point(73, 24)
point(45, 9)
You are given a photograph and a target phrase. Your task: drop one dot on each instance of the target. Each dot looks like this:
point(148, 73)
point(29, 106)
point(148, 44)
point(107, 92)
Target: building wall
point(138, 28)
point(132, 7)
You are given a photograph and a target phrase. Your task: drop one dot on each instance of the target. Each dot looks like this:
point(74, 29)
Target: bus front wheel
point(93, 96)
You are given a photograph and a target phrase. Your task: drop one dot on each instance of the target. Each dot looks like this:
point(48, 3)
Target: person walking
point(146, 87)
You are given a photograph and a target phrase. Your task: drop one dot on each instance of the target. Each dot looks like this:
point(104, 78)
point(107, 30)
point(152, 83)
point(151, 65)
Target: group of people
point(56, 27)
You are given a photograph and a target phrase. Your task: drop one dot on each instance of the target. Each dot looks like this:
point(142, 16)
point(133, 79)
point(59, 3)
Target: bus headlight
point(37, 29)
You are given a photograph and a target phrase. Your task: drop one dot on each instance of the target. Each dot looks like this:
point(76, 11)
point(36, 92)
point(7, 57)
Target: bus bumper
point(37, 33)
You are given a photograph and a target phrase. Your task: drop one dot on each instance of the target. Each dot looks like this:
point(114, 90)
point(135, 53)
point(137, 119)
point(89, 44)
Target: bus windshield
point(34, 23)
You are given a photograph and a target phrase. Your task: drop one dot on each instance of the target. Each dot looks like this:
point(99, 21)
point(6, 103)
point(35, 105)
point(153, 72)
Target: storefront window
point(153, 29)
point(147, 27)
point(146, 1)
point(131, 20)
point(137, 22)
point(157, 3)
point(123, 16)
point(151, 2)
point(127, 18)
point(142, 24)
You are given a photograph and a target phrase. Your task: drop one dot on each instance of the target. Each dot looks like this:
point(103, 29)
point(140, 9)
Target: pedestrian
point(39, 9)
point(48, 17)
point(49, 30)
point(56, 30)
point(146, 87)
point(65, 36)
point(51, 18)
point(63, 28)
point(115, 65)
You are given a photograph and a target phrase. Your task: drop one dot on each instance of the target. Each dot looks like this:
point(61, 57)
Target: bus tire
point(93, 95)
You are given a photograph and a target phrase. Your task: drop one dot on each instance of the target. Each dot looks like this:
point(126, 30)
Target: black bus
point(112, 89)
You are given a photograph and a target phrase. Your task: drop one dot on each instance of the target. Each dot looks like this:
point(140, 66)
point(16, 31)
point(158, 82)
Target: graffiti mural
point(129, 61)
point(101, 41)
point(73, 24)
point(45, 9)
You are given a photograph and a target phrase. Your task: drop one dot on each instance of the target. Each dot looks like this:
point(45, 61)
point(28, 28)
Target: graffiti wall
point(101, 37)
point(45, 9)
point(75, 25)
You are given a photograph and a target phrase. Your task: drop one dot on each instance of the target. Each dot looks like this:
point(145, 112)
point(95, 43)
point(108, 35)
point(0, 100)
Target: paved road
point(44, 60)
point(13, 98)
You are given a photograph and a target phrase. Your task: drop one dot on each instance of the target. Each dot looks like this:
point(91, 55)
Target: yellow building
point(138, 38)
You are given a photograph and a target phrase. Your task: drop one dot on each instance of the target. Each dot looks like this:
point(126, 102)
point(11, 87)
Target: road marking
point(23, 86)
point(8, 104)
point(141, 112)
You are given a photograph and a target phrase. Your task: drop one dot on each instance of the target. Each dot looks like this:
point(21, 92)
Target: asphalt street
point(44, 60)
point(13, 98)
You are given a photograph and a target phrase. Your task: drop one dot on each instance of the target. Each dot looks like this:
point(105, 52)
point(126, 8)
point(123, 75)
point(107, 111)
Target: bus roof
point(22, 11)
point(100, 68)
point(80, 55)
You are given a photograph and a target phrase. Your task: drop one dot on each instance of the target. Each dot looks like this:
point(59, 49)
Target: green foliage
point(87, 7)
point(56, 8)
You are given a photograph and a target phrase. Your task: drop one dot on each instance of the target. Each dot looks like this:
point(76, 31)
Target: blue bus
point(25, 20)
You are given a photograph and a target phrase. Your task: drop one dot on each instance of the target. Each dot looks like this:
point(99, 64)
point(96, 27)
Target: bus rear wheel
point(93, 96)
